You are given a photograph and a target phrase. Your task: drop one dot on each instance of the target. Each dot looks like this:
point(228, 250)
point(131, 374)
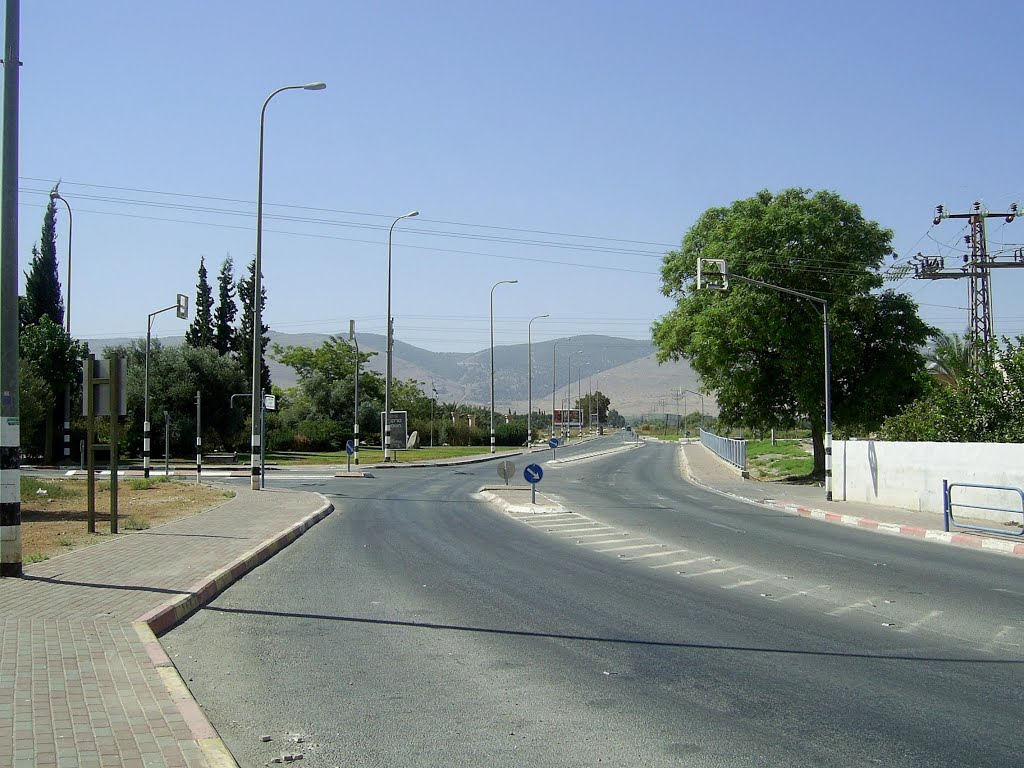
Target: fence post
point(945, 505)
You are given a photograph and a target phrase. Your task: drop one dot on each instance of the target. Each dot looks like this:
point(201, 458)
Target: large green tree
point(175, 374)
point(762, 352)
point(981, 405)
point(200, 332)
point(54, 359)
point(246, 289)
point(224, 332)
point(597, 403)
point(42, 283)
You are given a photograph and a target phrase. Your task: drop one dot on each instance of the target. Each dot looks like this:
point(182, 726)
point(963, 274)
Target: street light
point(579, 393)
point(568, 391)
point(698, 394)
point(355, 411)
point(500, 282)
point(529, 355)
point(54, 196)
point(182, 311)
point(433, 402)
point(390, 345)
point(554, 366)
point(257, 292)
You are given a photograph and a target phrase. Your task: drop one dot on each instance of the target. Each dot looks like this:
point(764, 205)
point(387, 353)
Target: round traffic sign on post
point(506, 470)
point(350, 447)
point(533, 473)
point(553, 443)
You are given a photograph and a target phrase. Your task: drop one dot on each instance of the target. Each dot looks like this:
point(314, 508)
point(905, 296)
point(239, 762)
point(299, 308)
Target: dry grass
point(56, 521)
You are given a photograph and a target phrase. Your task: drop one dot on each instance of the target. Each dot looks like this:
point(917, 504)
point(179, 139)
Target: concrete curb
point(161, 619)
point(956, 539)
point(595, 454)
point(511, 508)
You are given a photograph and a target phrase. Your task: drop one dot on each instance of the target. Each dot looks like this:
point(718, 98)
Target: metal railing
point(948, 504)
point(733, 451)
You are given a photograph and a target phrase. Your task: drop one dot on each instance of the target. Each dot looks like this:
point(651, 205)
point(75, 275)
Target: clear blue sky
point(503, 124)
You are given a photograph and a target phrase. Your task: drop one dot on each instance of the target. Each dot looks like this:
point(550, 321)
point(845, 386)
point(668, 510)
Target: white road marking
point(681, 562)
point(594, 527)
point(997, 640)
point(912, 626)
point(596, 543)
point(657, 554)
point(1009, 591)
point(727, 527)
point(629, 546)
point(713, 570)
point(743, 583)
point(801, 593)
point(552, 526)
point(869, 603)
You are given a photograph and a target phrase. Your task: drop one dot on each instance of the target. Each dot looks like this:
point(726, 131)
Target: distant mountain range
point(623, 369)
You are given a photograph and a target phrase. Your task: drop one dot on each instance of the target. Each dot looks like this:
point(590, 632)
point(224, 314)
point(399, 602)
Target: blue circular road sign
point(350, 447)
point(533, 473)
point(553, 442)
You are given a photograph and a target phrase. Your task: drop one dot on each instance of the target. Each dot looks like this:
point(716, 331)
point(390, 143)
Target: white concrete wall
point(910, 475)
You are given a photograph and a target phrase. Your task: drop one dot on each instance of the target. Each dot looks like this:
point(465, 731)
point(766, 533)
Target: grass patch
point(144, 483)
point(376, 455)
point(787, 458)
point(134, 523)
point(35, 557)
point(50, 489)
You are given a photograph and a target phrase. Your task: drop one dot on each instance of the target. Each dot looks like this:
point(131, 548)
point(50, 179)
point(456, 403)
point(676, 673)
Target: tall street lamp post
point(568, 391)
point(355, 406)
point(257, 293)
point(55, 195)
point(529, 355)
point(433, 402)
point(579, 393)
point(554, 366)
point(390, 345)
point(500, 282)
point(698, 394)
point(182, 310)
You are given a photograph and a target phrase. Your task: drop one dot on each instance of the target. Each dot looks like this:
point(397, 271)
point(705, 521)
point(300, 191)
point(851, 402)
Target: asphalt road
point(663, 625)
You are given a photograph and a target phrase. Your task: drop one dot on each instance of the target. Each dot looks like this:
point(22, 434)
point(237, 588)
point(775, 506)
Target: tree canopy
point(42, 283)
point(224, 315)
point(762, 352)
point(200, 332)
point(246, 289)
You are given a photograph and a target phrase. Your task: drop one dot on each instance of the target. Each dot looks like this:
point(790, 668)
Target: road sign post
point(506, 469)
point(350, 449)
point(533, 474)
point(553, 444)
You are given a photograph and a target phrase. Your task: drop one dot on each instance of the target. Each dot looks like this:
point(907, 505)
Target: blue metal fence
point(948, 504)
point(733, 451)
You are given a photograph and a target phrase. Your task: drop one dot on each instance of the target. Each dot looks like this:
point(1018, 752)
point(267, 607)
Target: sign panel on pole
point(533, 473)
point(399, 429)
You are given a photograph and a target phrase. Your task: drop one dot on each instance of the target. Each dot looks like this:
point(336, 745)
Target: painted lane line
point(605, 540)
point(997, 642)
point(747, 583)
point(657, 554)
point(681, 562)
point(801, 593)
point(712, 571)
point(629, 546)
point(912, 626)
point(554, 526)
point(558, 517)
point(572, 531)
point(727, 527)
point(868, 603)
point(1008, 591)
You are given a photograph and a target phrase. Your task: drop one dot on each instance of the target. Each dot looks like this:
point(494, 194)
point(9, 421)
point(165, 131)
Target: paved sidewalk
point(83, 680)
point(705, 468)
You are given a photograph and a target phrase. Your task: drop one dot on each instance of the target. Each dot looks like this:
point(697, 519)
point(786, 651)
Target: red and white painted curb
point(163, 618)
point(953, 538)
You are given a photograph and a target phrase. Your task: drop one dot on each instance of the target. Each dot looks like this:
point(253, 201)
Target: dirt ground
point(56, 521)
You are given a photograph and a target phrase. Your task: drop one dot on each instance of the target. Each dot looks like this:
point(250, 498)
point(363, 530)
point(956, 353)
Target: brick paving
point(78, 684)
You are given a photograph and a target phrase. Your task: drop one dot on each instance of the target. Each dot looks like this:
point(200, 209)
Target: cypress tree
point(246, 289)
point(200, 333)
point(224, 334)
point(42, 284)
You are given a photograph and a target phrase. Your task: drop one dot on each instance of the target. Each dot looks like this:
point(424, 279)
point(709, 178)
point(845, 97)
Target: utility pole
point(10, 432)
point(977, 268)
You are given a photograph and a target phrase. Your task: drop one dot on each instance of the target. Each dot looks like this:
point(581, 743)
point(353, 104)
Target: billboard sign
point(399, 429)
